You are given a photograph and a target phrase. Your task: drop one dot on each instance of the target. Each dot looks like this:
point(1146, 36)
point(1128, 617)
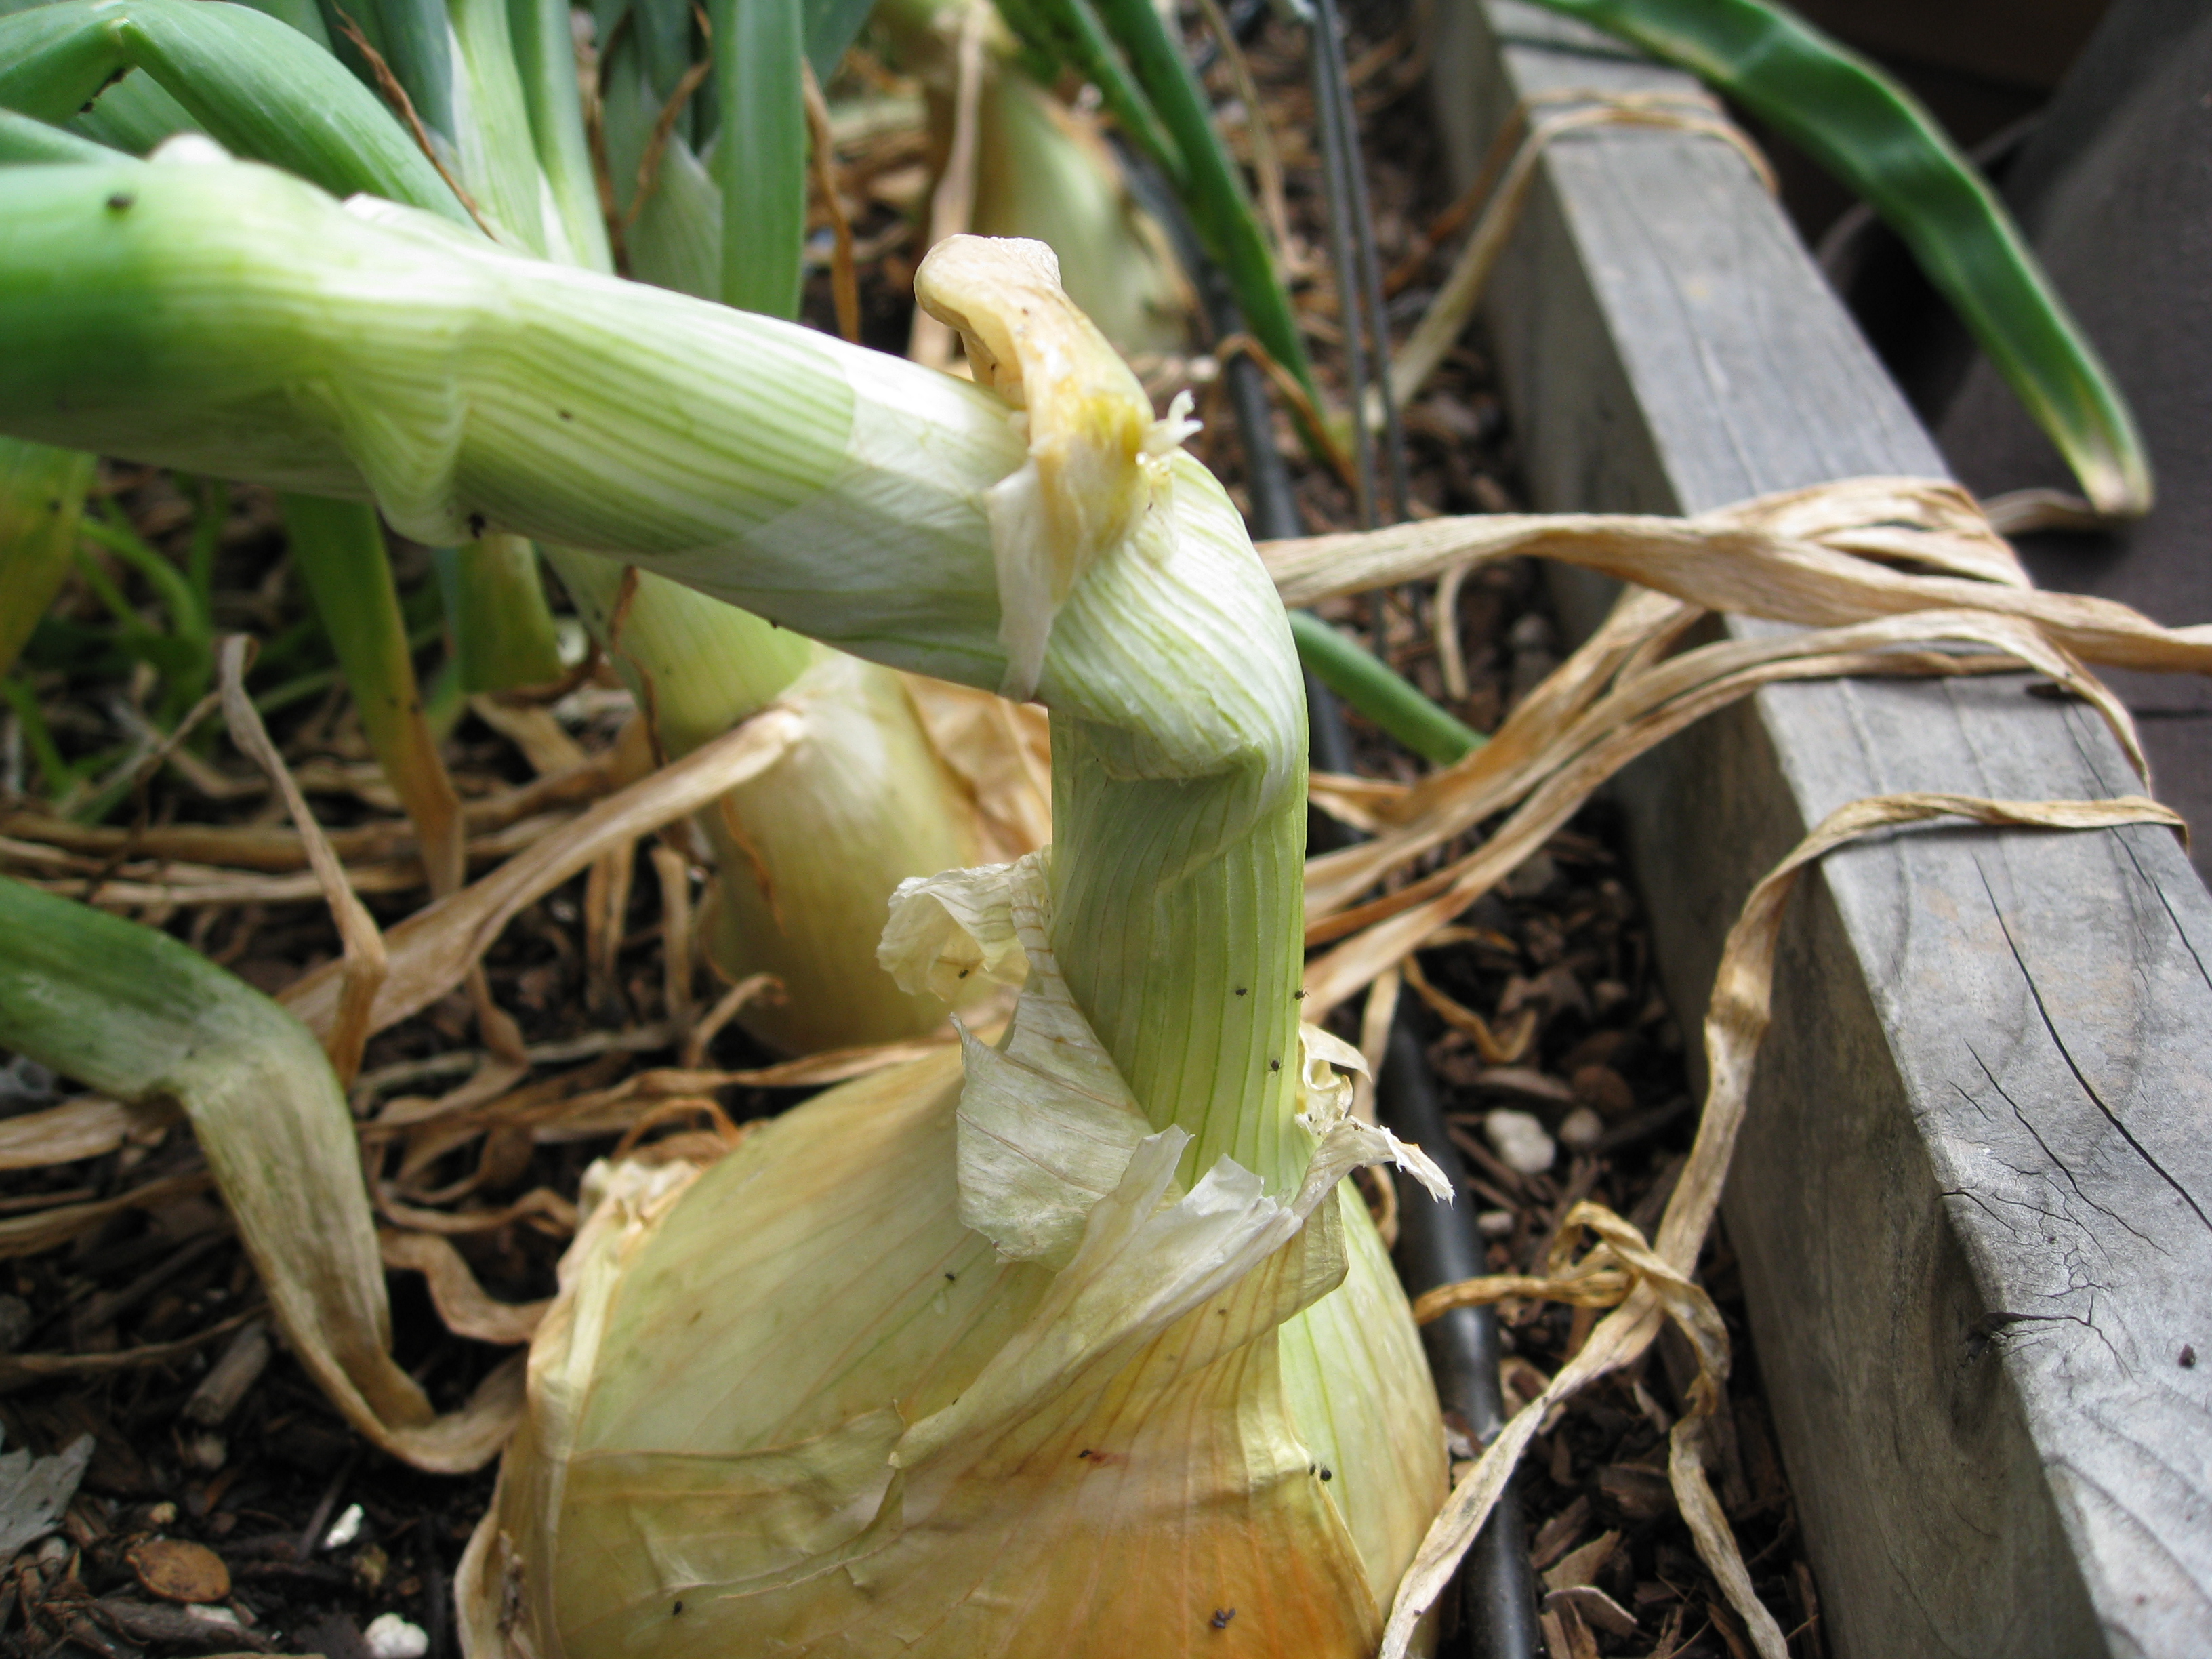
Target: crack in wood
point(2056, 1162)
point(2035, 994)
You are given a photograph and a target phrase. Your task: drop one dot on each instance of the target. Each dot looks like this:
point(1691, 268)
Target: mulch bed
point(119, 1334)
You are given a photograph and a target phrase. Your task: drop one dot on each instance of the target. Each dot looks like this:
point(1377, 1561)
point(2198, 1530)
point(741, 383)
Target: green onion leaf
point(41, 500)
point(257, 86)
point(760, 152)
point(1878, 140)
point(143, 1017)
point(337, 548)
point(1369, 686)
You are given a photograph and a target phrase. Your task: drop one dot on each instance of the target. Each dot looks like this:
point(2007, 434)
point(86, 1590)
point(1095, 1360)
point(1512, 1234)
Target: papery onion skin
point(826, 1254)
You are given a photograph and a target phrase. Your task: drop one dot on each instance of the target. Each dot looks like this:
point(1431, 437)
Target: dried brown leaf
point(606, 910)
point(1657, 1287)
point(435, 949)
point(84, 1127)
point(1354, 800)
point(1374, 1020)
point(1559, 772)
point(543, 741)
point(673, 873)
point(29, 1370)
point(1002, 751)
point(275, 849)
point(614, 1110)
point(42, 1230)
point(1495, 1050)
point(541, 1201)
point(952, 203)
point(1816, 558)
point(725, 1009)
point(220, 891)
point(462, 1304)
point(361, 967)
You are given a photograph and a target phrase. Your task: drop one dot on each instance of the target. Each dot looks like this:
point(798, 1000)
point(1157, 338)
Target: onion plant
point(806, 858)
point(499, 130)
point(42, 493)
point(1079, 1347)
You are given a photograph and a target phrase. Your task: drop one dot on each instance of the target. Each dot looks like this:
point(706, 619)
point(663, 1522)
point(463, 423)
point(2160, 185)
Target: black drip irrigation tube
point(1437, 1243)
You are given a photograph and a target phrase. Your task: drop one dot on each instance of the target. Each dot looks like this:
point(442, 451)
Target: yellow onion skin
point(810, 851)
point(705, 1468)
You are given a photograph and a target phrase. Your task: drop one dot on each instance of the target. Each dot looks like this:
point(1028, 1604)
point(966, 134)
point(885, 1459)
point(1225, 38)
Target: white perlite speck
point(1580, 1129)
point(1520, 1142)
point(391, 1636)
point(344, 1529)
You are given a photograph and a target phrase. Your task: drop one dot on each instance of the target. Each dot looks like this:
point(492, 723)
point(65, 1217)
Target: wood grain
point(1974, 1201)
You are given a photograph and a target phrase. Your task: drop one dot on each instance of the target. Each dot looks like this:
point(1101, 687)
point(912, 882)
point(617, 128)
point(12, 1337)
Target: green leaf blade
point(42, 492)
point(1877, 140)
point(257, 87)
point(760, 153)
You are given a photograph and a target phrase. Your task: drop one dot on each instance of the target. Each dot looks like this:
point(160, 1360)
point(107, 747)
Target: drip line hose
point(1437, 1243)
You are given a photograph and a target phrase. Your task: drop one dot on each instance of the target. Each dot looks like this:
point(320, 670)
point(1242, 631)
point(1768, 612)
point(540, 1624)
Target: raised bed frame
point(1973, 1201)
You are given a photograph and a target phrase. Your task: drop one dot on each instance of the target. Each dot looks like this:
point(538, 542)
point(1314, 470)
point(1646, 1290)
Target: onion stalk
point(807, 855)
point(898, 1447)
point(42, 492)
point(806, 858)
point(500, 626)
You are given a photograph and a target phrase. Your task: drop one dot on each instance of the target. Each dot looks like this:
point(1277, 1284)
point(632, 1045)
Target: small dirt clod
point(1604, 1090)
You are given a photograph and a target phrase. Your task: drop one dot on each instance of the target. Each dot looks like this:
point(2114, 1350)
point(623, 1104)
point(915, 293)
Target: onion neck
point(1178, 921)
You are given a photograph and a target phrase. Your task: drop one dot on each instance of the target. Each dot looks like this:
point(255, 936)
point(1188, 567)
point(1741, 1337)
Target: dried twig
point(403, 106)
point(844, 280)
point(656, 143)
point(363, 966)
point(952, 205)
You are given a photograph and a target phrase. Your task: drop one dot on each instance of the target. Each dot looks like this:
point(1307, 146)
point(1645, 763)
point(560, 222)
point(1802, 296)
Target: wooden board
point(1973, 1203)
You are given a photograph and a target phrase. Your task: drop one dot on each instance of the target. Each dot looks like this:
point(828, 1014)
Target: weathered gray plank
point(1986, 1093)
